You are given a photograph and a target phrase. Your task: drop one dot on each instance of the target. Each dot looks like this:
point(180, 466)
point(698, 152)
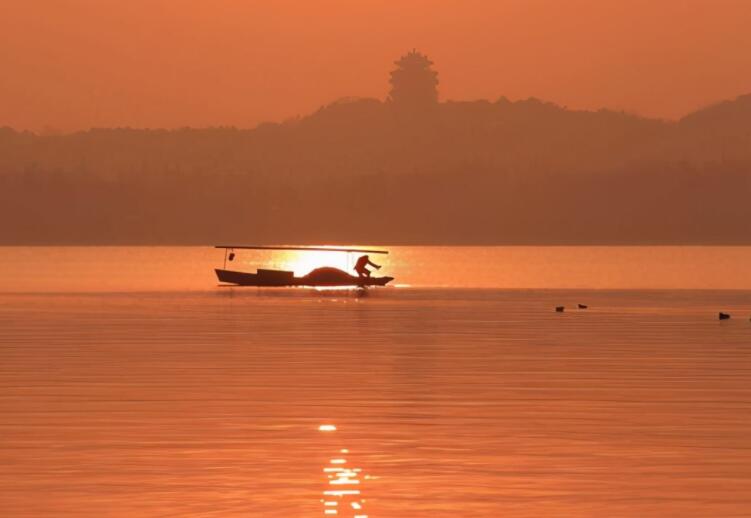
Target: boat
point(326, 276)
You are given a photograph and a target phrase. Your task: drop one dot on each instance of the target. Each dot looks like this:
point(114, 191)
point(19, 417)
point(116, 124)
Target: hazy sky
point(72, 64)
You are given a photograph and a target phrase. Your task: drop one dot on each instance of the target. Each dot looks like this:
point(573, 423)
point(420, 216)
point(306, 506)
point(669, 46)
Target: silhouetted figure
point(361, 266)
point(583, 306)
point(724, 316)
point(559, 309)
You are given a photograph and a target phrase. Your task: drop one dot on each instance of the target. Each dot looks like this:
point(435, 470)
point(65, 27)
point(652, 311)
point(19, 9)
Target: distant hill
point(364, 170)
point(729, 116)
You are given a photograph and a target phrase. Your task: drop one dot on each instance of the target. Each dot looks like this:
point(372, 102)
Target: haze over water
point(130, 385)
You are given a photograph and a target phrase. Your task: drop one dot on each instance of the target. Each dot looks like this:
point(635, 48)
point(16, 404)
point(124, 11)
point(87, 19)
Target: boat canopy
point(301, 248)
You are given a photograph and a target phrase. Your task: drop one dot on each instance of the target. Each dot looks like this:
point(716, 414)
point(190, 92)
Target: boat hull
point(278, 279)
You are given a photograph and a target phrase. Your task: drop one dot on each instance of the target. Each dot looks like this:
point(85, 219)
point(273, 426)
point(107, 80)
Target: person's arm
point(374, 265)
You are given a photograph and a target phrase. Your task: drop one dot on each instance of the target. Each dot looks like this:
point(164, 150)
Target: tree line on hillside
point(409, 169)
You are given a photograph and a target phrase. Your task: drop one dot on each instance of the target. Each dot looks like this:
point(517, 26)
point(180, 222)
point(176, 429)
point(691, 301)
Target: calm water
point(130, 385)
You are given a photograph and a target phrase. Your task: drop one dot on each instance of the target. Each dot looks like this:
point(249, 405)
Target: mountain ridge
point(459, 172)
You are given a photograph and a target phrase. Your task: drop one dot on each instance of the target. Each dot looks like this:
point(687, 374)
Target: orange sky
point(72, 64)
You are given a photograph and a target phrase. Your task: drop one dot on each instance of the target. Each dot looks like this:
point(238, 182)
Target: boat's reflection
point(342, 496)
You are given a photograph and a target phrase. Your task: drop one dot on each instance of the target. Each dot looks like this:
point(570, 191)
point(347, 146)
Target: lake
point(131, 385)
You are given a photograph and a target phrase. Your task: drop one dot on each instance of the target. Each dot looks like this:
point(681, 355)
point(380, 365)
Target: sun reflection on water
point(342, 496)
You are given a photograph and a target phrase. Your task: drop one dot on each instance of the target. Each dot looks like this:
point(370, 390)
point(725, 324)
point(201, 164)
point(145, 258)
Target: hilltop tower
point(413, 82)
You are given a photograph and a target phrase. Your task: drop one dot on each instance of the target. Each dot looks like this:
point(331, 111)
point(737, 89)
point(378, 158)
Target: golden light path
point(342, 496)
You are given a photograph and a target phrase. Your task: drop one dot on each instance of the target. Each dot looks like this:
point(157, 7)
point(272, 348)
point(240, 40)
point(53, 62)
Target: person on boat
point(361, 266)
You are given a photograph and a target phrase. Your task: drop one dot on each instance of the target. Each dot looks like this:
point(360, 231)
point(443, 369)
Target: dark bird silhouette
point(559, 309)
point(583, 306)
point(724, 316)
